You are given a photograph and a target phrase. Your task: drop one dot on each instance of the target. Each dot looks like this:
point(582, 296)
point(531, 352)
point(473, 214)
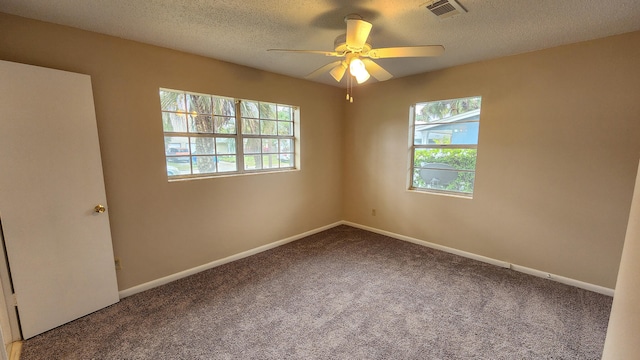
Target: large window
point(208, 135)
point(445, 145)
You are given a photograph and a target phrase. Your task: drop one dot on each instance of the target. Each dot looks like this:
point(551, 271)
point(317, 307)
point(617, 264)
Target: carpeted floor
point(342, 294)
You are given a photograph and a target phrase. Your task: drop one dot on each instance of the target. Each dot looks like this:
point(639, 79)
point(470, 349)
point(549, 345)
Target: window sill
point(441, 192)
point(227, 175)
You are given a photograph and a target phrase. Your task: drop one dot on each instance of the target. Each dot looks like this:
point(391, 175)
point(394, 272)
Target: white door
point(59, 247)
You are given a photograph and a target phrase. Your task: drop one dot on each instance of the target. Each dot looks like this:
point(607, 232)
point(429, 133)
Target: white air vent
point(444, 8)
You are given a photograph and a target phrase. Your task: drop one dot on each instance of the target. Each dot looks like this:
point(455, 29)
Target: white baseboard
point(431, 245)
point(564, 280)
point(561, 279)
point(167, 279)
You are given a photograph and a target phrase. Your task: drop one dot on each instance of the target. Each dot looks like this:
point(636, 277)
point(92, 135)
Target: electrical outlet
point(373, 212)
point(118, 264)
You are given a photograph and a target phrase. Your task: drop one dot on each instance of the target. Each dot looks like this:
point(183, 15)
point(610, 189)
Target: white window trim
point(411, 158)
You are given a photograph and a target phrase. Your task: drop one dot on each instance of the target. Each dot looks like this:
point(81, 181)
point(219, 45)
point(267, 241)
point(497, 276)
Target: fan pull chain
point(349, 88)
point(348, 84)
point(351, 83)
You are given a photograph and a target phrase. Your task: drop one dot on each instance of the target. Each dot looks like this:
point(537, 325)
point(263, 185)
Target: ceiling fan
point(357, 53)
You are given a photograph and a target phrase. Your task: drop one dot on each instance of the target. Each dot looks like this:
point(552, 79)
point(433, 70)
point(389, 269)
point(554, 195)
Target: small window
point(209, 135)
point(445, 145)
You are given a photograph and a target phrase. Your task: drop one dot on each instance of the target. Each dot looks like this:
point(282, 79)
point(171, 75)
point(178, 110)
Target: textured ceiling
point(242, 31)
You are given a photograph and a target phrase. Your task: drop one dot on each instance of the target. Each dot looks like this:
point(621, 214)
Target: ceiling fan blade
point(338, 71)
point(323, 69)
point(376, 70)
point(406, 51)
point(321, 52)
point(357, 33)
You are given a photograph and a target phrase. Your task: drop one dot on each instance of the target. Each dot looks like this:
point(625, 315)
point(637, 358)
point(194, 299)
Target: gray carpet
point(342, 294)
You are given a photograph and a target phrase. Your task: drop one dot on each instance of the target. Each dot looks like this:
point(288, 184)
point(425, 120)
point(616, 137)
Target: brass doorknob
point(100, 208)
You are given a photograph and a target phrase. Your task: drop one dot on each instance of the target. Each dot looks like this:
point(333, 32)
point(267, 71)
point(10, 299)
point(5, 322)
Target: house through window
point(445, 145)
point(209, 135)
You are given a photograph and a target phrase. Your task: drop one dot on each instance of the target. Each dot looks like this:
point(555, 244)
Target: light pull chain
point(348, 89)
point(351, 78)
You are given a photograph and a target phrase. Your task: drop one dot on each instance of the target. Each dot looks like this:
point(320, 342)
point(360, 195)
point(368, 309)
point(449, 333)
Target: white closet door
point(59, 248)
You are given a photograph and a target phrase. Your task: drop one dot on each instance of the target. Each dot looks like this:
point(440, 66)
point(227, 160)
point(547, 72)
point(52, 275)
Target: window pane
point(449, 110)
point(225, 145)
point(462, 133)
point(269, 145)
point(224, 125)
point(223, 106)
point(286, 145)
point(177, 160)
point(457, 159)
point(439, 175)
point(204, 164)
point(286, 160)
point(426, 134)
point(199, 104)
point(270, 161)
point(285, 128)
point(250, 126)
point(227, 163)
point(249, 109)
point(268, 127)
point(443, 179)
point(284, 112)
point(172, 122)
point(465, 133)
point(200, 124)
point(252, 162)
point(268, 111)
point(202, 146)
point(176, 168)
point(176, 145)
point(172, 100)
point(252, 146)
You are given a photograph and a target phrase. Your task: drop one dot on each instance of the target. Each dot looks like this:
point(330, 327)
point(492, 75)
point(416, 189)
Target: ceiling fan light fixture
point(363, 77)
point(338, 72)
point(357, 69)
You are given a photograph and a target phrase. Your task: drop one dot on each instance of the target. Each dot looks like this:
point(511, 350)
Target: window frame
point(293, 152)
point(413, 169)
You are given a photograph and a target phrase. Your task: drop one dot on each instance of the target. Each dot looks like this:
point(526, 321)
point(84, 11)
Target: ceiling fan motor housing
point(340, 45)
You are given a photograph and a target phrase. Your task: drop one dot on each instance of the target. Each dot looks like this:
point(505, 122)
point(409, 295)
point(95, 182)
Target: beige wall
point(558, 151)
point(161, 228)
point(624, 324)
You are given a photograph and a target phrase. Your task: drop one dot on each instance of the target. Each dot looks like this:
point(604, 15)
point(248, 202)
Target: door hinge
point(14, 298)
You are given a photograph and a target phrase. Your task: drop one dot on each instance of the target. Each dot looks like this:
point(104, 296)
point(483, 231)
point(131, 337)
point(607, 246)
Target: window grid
point(267, 135)
point(207, 135)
